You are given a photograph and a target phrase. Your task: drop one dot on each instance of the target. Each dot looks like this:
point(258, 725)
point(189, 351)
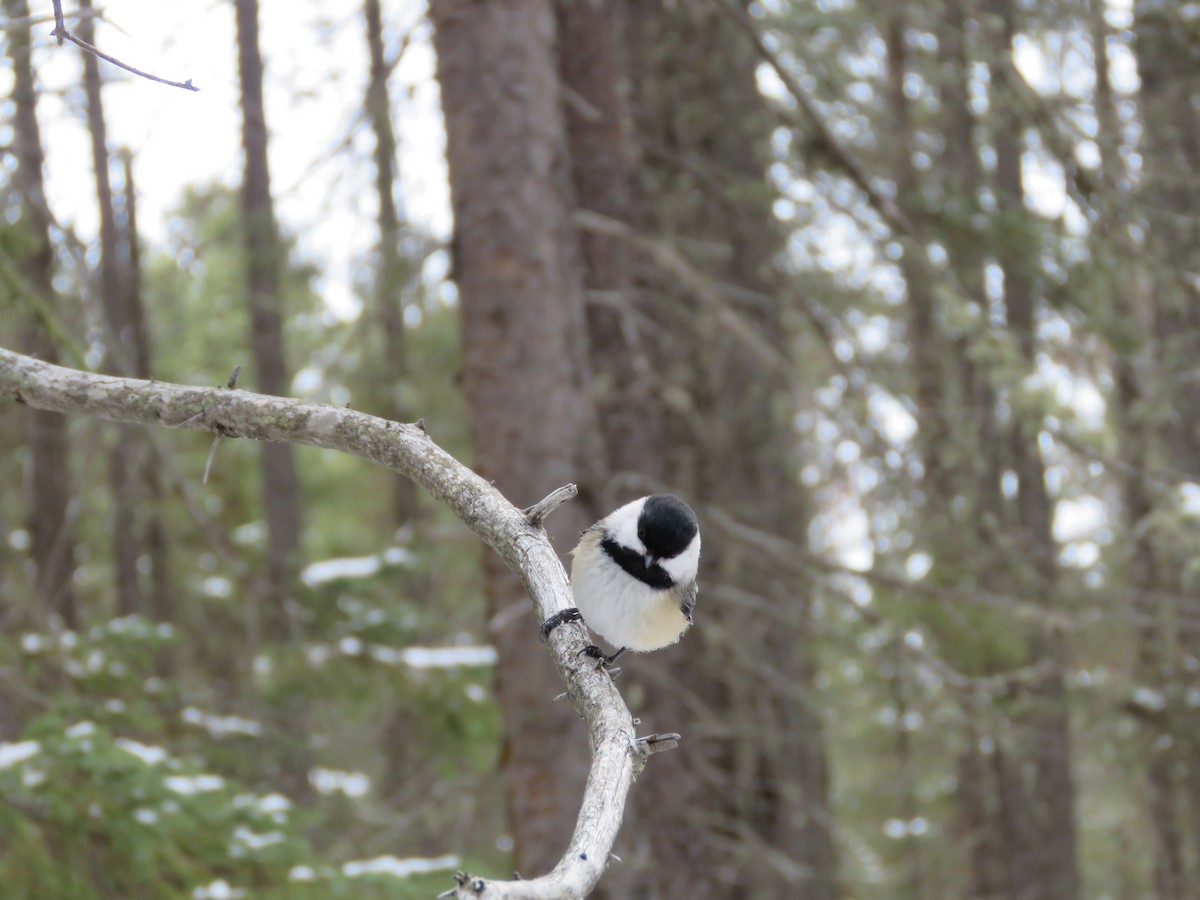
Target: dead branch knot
point(472, 883)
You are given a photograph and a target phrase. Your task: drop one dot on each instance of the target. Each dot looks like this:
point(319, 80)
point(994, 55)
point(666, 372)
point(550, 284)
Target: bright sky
point(316, 76)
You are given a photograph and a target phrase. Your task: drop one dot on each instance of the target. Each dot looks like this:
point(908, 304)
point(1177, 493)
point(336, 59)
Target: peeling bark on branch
point(617, 757)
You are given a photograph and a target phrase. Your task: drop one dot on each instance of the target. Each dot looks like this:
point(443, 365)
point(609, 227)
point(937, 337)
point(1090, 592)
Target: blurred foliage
point(150, 760)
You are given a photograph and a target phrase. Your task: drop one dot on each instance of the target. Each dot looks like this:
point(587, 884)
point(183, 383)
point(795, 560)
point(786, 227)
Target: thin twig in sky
point(62, 34)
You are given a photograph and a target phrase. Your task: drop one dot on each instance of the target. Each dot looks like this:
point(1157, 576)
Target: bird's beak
point(651, 559)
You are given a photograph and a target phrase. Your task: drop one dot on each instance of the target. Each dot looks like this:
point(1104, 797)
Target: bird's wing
point(687, 599)
point(593, 535)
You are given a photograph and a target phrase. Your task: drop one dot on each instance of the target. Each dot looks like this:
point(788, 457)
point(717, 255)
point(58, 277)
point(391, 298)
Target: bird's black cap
point(666, 525)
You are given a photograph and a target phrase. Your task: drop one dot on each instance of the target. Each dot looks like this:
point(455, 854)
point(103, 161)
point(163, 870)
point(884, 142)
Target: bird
point(633, 576)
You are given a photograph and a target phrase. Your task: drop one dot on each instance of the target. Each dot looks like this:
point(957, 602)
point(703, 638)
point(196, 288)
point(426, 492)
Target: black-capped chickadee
point(634, 576)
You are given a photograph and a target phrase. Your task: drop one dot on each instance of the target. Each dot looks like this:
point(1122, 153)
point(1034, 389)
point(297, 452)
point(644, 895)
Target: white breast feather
point(619, 608)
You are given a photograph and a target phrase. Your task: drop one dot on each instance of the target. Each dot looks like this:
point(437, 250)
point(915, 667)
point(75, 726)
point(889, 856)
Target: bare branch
point(537, 513)
point(617, 757)
point(62, 34)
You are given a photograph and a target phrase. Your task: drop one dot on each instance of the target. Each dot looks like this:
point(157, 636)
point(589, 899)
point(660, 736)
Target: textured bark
point(281, 487)
point(972, 822)
point(989, 825)
point(1166, 309)
point(120, 357)
point(392, 273)
point(524, 354)
point(160, 604)
point(624, 321)
point(1145, 579)
point(1048, 806)
point(704, 130)
point(1140, 442)
point(924, 338)
point(48, 483)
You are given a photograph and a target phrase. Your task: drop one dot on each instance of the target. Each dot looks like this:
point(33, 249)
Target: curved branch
point(617, 756)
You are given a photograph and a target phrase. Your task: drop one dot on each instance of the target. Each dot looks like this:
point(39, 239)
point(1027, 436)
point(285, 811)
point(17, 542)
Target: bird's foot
point(563, 615)
point(596, 653)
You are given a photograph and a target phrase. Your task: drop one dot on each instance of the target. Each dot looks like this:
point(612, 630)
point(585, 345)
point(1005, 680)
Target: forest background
point(901, 296)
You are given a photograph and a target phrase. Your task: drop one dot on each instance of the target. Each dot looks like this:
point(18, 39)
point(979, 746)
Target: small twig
point(60, 25)
point(62, 34)
point(536, 514)
point(657, 743)
point(212, 451)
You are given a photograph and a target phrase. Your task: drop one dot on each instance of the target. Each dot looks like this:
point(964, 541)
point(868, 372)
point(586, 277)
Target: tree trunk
point(1141, 442)
point(48, 482)
point(524, 360)
point(160, 606)
point(263, 259)
point(1052, 872)
point(624, 320)
point(990, 819)
point(392, 274)
point(121, 356)
point(704, 127)
point(1165, 305)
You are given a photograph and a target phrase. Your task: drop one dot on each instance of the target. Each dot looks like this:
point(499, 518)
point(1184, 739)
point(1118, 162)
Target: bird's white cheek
point(621, 526)
point(683, 568)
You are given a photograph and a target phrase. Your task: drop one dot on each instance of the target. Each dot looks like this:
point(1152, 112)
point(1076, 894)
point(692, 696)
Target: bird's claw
point(605, 661)
point(563, 615)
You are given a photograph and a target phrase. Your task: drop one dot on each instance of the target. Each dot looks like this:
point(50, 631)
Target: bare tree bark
point(624, 320)
point(48, 483)
point(281, 487)
point(1049, 805)
point(392, 273)
point(518, 537)
point(1161, 377)
point(160, 603)
point(704, 126)
point(990, 840)
point(1141, 441)
point(923, 334)
point(121, 356)
point(524, 350)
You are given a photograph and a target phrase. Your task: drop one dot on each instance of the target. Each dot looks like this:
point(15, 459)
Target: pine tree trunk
point(524, 361)
point(160, 598)
point(705, 128)
point(1051, 871)
point(391, 274)
point(263, 260)
point(48, 482)
point(121, 355)
point(1166, 307)
point(624, 319)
